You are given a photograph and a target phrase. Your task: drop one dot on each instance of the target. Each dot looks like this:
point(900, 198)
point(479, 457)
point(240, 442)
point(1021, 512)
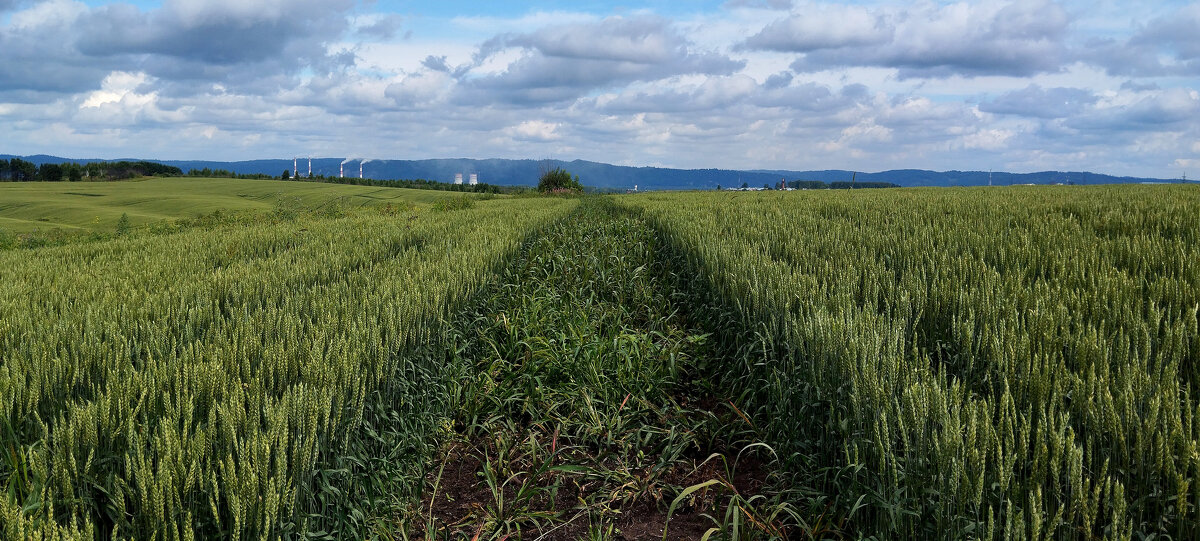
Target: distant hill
point(603, 175)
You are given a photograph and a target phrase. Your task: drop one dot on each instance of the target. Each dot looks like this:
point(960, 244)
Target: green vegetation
point(837, 185)
point(896, 364)
point(587, 409)
point(224, 383)
point(963, 363)
point(18, 170)
point(482, 188)
point(558, 180)
point(96, 206)
point(454, 203)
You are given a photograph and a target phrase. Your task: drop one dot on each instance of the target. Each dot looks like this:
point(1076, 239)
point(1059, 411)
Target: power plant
point(296, 167)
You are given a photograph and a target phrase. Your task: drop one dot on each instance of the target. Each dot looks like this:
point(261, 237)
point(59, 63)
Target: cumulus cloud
point(381, 27)
point(759, 4)
point(824, 27)
point(64, 46)
point(1168, 45)
point(1035, 101)
point(1175, 108)
point(420, 89)
point(756, 84)
point(38, 60)
point(273, 36)
point(560, 63)
point(926, 40)
point(535, 130)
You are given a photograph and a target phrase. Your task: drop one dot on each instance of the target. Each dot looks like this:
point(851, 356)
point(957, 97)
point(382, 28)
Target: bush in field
point(454, 203)
point(123, 226)
point(558, 180)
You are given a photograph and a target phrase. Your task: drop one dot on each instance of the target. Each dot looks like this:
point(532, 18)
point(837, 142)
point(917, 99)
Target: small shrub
point(558, 180)
point(287, 208)
point(397, 208)
point(123, 226)
point(454, 203)
point(334, 208)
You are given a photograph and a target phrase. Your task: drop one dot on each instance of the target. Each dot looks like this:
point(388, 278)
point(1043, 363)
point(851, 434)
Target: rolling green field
point(989, 363)
point(96, 206)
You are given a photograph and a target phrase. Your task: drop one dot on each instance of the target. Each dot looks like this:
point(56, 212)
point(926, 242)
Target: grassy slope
point(28, 206)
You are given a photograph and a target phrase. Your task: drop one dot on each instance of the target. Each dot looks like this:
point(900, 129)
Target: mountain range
point(608, 176)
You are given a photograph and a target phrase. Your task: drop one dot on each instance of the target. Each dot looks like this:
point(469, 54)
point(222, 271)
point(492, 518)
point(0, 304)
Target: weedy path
point(588, 415)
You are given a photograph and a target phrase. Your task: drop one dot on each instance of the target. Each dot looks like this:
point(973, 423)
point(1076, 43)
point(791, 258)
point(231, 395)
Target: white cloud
point(118, 87)
point(925, 40)
point(535, 130)
point(758, 84)
point(992, 139)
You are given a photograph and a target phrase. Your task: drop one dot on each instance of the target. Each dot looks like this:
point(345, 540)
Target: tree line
point(18, 170)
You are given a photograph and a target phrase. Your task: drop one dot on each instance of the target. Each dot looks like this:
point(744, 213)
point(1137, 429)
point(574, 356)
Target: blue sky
point(1022, 85)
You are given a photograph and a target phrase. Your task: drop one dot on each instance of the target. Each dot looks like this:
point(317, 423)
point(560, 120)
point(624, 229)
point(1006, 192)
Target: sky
point(1028, 85)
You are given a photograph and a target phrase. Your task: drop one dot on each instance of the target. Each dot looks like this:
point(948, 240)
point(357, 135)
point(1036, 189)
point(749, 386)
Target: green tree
point(74, 172)
point(94, 171)
point(286, 174)
point(22, 170)
point(50, 172)
point(558, 179)
point(4, 170)
point(123, 225)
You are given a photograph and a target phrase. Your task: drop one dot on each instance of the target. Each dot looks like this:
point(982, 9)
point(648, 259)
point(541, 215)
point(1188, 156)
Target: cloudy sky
point(1102, 85)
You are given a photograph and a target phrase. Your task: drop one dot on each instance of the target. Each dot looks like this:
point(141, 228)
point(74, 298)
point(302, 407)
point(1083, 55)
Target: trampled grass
point(97, 206)
point(588, 410)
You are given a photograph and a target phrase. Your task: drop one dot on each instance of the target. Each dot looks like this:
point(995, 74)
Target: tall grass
point(228, 383)
point(1017, 364)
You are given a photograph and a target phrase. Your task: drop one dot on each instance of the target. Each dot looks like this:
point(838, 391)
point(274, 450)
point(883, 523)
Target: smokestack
point(360, 164)
point(310, 168)
point(458, 178)
point(342, 170)
point(474, 179)
point(294, 168)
